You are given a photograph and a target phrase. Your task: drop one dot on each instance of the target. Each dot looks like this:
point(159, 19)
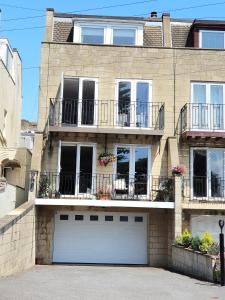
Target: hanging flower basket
point(178, 170)
point(105, 158)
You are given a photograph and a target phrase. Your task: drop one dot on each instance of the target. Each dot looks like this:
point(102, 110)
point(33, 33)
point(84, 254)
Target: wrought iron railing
point(201, 188)
point(105, 186)
point(202, 117)
point(106, 113)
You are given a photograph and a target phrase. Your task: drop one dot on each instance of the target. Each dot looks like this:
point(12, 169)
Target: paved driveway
point(105, 282)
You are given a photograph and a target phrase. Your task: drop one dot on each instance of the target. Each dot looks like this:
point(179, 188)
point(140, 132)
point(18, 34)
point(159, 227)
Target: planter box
point(194, 264)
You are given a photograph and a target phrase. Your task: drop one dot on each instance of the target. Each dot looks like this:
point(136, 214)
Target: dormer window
point(108, 33)
point(92, 35)
point(210, 39)
point(124, 36)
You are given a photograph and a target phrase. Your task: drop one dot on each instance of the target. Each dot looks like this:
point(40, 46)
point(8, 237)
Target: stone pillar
point(178, 207)
point(49, 25)
point(167, 39)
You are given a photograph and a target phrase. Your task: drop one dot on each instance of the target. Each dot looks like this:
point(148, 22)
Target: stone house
point(14, 160)
point(122, 101)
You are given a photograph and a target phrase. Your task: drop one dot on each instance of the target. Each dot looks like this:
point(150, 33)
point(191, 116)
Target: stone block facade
point(192, 263)
point(17, 240)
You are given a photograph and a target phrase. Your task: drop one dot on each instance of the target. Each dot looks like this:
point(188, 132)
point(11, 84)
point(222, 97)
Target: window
point(79, 217)
point(78, 105)
point(208, 172)
point(132, 170)
point(212, 39)
point(64, 217)
point(124, 36)
point(207, 109)
point(93, 218)
point(98, 33)
point(91, 35)
point(134, 103)
point(123, 219)
point(109, 218)
point(138, 219)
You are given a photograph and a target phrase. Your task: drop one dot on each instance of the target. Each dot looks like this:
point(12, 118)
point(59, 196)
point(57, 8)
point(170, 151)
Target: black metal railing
point(106, 113)
point(203, 188)
point(105, 186)
point(202, 117)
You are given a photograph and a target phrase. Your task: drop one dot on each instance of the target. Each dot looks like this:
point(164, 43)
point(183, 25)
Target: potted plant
point(178, 170)
point(44, 186)
point(104, 194)
point(105, 158)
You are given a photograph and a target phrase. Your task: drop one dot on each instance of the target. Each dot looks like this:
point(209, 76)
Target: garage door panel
point(100, 241)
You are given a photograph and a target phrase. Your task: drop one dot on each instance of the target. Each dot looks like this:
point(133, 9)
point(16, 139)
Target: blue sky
point(28, 41)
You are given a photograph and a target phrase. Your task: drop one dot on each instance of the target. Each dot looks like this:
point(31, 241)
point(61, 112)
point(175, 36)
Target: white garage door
point(100, 237)
point(209, 223)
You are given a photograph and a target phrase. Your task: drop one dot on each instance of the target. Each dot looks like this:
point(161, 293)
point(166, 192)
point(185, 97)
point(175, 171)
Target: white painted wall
point(11, 198)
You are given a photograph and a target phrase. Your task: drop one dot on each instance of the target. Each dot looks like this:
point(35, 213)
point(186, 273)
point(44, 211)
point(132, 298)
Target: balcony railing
point(200, 188)
point(106, 113)
point(202, 117)
point(105, 187)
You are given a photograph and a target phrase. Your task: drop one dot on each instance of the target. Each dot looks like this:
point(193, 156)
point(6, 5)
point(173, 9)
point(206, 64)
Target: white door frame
point(208, 171)
point(133, 115)
point(80, 98)
point(132, 148)
point(77, 171)
point(208, 103)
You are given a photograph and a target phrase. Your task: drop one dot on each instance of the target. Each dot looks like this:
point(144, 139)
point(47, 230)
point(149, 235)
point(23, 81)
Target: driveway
point(105, 282)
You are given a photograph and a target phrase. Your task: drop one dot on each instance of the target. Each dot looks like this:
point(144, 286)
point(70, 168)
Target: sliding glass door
point(208, 173)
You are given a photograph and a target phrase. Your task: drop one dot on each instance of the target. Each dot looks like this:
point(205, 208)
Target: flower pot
point(104, 196)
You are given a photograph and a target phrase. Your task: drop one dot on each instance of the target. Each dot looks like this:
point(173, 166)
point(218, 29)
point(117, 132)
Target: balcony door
point(208, 169)
point(76, 169)
point(132, 171)
point(207, 109)
point(78, 102)
point(133, 105)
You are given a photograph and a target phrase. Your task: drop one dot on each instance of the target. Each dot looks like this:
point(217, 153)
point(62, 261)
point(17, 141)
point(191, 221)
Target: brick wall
point(17, 240)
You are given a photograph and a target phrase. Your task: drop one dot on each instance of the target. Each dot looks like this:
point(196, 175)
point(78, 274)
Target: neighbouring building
point(14, 160)
point(27, 134)
point(123, 100)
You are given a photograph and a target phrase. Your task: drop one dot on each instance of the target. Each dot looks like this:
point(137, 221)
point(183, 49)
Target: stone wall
point(17, 240)
point(192, 263)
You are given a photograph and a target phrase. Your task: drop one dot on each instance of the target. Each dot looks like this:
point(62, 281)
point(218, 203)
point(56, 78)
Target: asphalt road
point(105, 282)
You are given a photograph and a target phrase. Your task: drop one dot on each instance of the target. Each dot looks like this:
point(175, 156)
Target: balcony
point(106, 116)
point(202, 120)
point(104, 188)
point(204, 192)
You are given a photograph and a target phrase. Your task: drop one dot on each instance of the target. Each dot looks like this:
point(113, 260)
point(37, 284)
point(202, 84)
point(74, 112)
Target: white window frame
point(81, 80)
point(211, 31)
point(208, 102)
point(208, 189)
point(77, 171)
point(132, 148)
point(108, 31)
point(133, 83)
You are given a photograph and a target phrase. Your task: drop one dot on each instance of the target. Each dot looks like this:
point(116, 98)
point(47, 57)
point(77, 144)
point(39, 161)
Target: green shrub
point(186, 238)
point(207, 238)
point(195, 243)
point(214, 249)
point(206, 242)
point(179, 241)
